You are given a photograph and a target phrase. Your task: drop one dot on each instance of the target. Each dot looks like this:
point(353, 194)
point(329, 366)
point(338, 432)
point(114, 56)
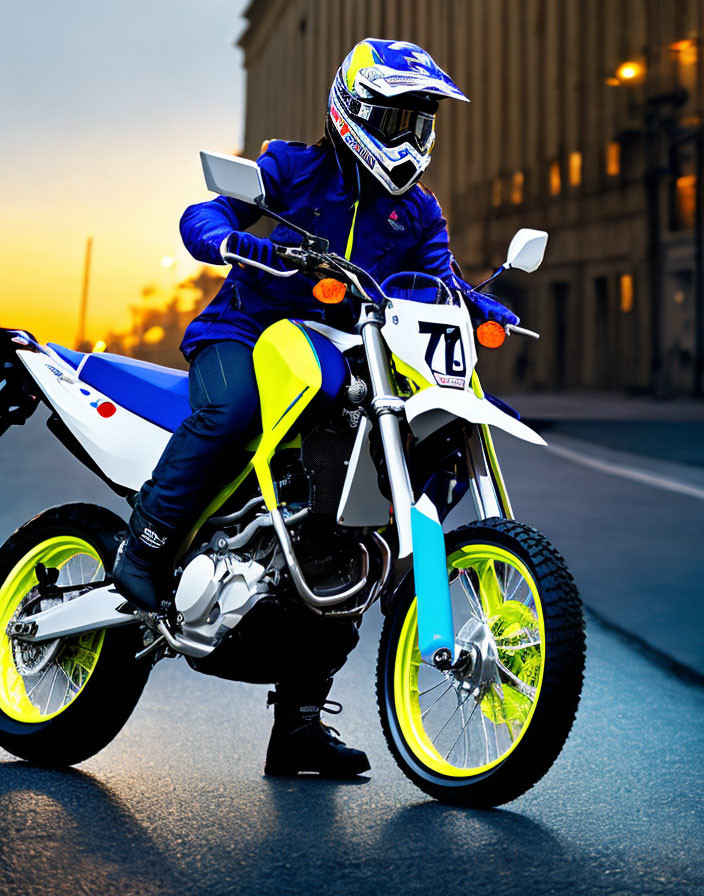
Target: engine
point(213, 595)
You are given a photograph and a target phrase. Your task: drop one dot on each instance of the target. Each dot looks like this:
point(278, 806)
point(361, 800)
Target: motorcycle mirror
point(527, 250)
point(232, 176)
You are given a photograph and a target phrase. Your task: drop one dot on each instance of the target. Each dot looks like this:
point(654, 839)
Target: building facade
point(586, 120)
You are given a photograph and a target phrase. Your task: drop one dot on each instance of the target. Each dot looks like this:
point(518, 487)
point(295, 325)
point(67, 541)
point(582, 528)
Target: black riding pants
point(279, 640)
point(204, 453)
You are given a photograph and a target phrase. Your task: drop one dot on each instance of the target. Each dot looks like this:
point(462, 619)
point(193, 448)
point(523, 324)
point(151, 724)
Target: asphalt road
point(177, 804)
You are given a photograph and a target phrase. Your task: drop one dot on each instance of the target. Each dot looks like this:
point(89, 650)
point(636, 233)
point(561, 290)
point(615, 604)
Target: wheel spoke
point(494, 723)
point(523, 645)
point(47, 705)
point(486, 739)
point(42, 676)
point(464, 726)
point(521, 581)
point(72, 686)
point(67, 570)
point(451, 717)
point(520, 685)
point(473, 598)
point(428, 690)
point(426, 711)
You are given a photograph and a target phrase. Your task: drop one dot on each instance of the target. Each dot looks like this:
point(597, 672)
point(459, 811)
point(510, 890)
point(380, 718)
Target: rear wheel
point(485, 732)
point(62, 701)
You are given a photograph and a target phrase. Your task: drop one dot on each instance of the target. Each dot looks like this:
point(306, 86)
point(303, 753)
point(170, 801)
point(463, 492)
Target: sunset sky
point(104, 108)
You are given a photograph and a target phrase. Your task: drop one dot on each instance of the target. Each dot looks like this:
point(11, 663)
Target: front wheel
point(486, 731)
point(62, 701)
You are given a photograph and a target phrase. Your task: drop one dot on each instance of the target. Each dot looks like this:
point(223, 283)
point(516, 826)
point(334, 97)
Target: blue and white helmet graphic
point(382, 106)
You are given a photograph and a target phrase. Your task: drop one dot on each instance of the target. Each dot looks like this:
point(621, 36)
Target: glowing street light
point(168, 261)
point(630, 71)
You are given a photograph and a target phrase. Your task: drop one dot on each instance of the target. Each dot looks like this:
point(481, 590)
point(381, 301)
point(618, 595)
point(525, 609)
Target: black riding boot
point(142, 568)
point(301, 742)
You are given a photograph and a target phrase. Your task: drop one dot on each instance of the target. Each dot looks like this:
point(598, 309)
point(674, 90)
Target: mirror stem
point(489, 279)
point(310, 240)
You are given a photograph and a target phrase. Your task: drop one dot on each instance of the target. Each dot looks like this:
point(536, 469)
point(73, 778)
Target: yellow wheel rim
point(38, 683)
point(450, 729)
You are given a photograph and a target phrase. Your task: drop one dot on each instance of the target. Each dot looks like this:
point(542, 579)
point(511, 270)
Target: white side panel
point(361, 503)
point(435, 340)
point(431, 408)
point(124, 446)
point(343, 341)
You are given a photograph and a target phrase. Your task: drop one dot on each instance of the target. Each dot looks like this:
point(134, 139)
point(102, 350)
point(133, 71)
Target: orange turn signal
point(329, 291)
point(491, 334)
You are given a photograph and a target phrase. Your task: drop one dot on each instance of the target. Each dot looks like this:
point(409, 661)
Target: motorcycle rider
point(358, 187)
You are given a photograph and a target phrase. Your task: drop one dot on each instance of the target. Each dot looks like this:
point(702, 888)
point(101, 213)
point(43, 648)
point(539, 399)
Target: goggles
point(393, 125)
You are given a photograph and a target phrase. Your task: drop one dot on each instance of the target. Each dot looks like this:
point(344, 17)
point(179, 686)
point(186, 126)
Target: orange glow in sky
point(102, 121)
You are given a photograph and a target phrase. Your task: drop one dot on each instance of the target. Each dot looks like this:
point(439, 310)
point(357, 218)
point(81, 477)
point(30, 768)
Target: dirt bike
point(374, 479)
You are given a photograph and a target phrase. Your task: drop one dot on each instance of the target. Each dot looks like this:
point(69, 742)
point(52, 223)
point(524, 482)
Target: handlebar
point(317, 263)
point(328, 264)
point(233, 258)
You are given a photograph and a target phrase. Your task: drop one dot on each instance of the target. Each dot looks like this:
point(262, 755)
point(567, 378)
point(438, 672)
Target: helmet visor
point(394, 125)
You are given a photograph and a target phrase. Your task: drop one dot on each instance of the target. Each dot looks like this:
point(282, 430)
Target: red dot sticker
point(106, 409)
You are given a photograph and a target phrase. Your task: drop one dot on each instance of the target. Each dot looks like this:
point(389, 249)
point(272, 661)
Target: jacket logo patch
point(394, 222)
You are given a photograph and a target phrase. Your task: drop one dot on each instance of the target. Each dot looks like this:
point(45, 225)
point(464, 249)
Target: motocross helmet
point(382, 106)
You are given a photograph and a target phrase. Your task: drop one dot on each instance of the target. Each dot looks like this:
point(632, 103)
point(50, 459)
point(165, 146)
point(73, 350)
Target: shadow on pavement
point(64, 831)
point(312, 839)
point(481, 848)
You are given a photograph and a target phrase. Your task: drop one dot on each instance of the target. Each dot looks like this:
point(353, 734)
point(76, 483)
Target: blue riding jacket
point(305, 185)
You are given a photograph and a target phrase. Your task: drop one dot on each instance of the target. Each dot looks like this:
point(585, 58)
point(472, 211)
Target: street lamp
point(630, 71)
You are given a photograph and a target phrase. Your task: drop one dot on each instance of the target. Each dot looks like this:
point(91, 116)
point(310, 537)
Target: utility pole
point(81, 337)
point(699, 229)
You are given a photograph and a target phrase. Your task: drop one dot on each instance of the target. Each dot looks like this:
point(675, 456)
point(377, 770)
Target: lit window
point(496, 192)
point(686, 50)
point(517, 182)
point(684, 54)
point(613, 159)
point(575, 169)
point(626, 292)
point(685, 201)
point(555, 179)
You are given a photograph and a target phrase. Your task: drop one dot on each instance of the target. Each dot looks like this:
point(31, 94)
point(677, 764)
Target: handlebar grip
point(512, 328)
point(232, 258)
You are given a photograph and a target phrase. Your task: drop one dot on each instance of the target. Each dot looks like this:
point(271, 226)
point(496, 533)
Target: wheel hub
point(478, 670)
point(32, 657)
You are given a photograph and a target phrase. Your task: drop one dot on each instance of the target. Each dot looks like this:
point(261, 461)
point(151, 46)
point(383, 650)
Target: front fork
point(418, 527)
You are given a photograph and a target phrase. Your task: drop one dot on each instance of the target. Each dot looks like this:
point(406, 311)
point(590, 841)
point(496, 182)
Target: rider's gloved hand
point(483, 308)
point(255, 248)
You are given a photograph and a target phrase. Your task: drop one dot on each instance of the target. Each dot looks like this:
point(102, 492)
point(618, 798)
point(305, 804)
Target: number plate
point(434, 340)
